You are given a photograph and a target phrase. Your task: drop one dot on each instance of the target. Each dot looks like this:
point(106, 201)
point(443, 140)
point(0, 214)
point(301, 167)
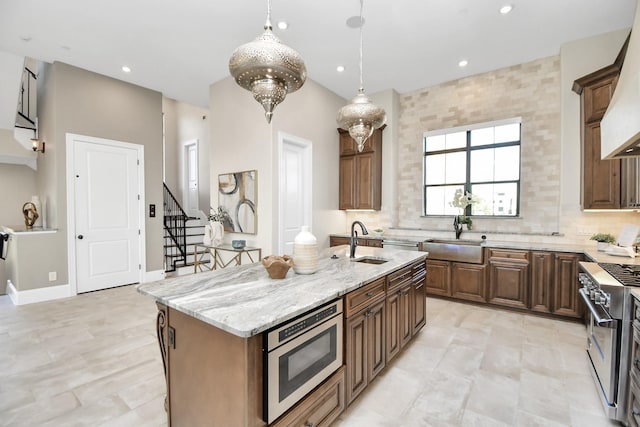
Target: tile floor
point(93, 360)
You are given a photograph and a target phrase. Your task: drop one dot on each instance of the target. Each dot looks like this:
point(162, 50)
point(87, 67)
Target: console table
point(217, 261)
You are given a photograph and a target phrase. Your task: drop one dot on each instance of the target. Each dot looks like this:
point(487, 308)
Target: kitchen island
point(210, 328)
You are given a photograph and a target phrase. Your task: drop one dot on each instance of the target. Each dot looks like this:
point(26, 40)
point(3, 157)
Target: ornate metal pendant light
point(361, 117)
point(268, 68)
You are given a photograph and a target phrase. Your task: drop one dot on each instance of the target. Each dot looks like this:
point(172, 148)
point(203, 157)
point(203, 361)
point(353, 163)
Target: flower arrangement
point(603, 238)
point(222, 216)
point(462, 199)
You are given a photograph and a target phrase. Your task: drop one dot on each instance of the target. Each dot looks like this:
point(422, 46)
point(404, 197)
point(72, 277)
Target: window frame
point(468, 149)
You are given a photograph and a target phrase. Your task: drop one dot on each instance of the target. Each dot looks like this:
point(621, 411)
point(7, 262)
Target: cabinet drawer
point(398, 277)
point(320, 408)
point(512, 254)
point(360, 298)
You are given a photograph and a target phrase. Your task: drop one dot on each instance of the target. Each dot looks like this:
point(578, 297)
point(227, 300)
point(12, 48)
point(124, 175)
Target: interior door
point(106, 216)
point(295, 190)
point(191, 204)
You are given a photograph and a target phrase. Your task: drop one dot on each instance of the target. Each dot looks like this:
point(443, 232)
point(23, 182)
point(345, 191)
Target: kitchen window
point(481, 159)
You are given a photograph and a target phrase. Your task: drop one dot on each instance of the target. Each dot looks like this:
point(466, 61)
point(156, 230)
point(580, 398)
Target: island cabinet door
point(356, 354)
point(393, 325)
point(406, 313)
point(419, 296)
point(365, 347)
point(376, 337)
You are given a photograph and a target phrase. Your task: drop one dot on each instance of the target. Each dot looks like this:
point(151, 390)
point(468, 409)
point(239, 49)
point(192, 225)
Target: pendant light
point(268, 68)
point(361, 117)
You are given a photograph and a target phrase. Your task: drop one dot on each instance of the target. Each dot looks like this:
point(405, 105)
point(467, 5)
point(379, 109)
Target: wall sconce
point(37, 145)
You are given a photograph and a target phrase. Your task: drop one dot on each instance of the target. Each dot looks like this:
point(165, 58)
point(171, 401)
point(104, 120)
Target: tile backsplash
point(530, 91)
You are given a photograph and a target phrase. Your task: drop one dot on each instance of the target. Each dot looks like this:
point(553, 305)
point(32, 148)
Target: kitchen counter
point(589, 249)
point(244, 301)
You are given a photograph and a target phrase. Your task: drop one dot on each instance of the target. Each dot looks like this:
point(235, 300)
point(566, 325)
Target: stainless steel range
point(605, 290)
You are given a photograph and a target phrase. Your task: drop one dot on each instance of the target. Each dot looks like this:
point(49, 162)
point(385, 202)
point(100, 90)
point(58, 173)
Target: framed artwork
point(237, 194)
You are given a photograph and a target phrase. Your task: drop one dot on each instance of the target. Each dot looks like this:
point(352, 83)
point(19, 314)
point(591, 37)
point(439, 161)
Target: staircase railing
point(27, 94)
point(175, 220)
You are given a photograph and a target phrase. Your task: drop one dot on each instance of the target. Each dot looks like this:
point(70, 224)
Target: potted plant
point(378, 232)
point(603, 239)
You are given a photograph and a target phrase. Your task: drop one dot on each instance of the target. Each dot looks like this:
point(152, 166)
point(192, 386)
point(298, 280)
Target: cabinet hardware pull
point(369, 294)
point(309, 424)
point(637, 364)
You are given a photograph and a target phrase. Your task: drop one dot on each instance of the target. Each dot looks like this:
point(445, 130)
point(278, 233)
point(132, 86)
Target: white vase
point(305, 252)
point(601, 246)
point(217, 233)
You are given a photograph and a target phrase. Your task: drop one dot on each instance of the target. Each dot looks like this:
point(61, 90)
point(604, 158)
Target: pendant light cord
point(361, 25)
point(267, 25)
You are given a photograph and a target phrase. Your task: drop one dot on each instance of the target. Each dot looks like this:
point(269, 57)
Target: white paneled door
point(107, 215)
point(191, 204)
point(295, 189)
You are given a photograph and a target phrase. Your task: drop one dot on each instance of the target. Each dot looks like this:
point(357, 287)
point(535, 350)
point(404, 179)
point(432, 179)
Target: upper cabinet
point(360, 173)
point(600, 178)
point(604, 182)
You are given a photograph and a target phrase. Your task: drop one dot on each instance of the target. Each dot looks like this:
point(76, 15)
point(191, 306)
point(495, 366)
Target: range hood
point(620, 126)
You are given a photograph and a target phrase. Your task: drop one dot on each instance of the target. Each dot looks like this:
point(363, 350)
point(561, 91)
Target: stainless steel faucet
point(353, 242)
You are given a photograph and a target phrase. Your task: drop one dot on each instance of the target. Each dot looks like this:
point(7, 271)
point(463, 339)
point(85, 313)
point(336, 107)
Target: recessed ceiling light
point(340, 68)
point(506, 9)
point(25, 38)
point(283, 25)
point(463, 63)
point(126, 69)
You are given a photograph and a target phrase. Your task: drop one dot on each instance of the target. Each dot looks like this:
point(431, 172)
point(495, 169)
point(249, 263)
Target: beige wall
point(17, 185)
point(72, 100)
point(241, 140)
point(185, 123)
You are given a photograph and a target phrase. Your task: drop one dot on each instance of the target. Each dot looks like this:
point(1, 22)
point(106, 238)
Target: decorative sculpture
point(30, 213)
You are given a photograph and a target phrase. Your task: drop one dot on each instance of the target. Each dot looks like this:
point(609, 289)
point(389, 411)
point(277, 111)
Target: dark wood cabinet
point(468, 281)
point(601, 179)
point(338, 240)
point(542, 281)
point(320, 408)
point(566, 301)
point(365, 338)
point(360, 173)
point(419, 296)
point(509, 278)
point(438, 277)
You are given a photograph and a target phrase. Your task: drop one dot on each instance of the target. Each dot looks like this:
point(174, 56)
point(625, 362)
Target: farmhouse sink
point(470, 251)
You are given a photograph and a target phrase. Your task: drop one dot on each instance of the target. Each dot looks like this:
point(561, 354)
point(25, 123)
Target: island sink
point(370, 260)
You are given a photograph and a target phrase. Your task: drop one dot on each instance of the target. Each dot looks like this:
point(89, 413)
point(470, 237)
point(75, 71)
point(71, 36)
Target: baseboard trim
point(37, 295)
point(152, 276)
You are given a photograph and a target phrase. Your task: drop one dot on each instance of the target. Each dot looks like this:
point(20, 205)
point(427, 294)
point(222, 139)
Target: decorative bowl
point(277, 266)
point(238, 244)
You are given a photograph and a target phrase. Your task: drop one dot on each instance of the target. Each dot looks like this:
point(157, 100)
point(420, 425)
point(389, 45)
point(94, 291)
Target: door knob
point(80, 236)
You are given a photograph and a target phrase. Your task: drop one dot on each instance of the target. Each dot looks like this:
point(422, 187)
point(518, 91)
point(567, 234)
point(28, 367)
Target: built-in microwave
point(299, 355)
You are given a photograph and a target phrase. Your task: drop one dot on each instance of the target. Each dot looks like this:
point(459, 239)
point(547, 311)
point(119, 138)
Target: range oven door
point(297, 367)
point(603, 349)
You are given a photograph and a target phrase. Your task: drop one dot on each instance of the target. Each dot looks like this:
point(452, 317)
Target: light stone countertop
point(245, 301)
point(589, 250)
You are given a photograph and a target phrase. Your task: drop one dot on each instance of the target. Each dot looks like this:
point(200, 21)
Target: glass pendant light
point(268, 68)
point(361, 117)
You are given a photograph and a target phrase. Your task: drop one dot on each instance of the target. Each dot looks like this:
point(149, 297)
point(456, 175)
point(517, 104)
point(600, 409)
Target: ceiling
point(180, 47)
